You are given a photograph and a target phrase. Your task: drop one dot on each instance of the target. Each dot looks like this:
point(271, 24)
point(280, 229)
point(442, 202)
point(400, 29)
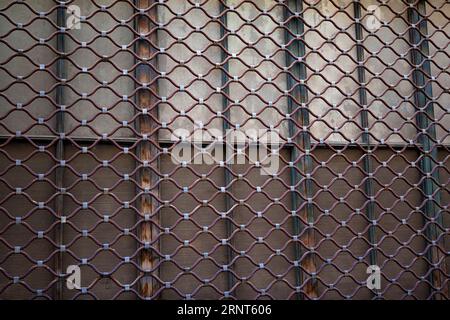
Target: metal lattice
point(92, 94)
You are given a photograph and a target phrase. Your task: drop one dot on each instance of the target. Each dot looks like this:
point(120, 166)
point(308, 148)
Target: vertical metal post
point(146, 100)
point(292, 27)
point(307, 213)
point(225, 127)
point(427, 137)
point(59, 172)
point(367, 161)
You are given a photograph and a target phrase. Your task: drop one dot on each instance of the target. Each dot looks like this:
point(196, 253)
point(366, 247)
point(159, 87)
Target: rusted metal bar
point(147, 103)
point(307, 213)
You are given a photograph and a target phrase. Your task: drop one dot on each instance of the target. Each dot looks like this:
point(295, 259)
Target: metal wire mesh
point(92, 93)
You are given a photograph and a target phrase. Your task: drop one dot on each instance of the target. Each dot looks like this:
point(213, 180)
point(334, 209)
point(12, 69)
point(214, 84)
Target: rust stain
point(146, 207)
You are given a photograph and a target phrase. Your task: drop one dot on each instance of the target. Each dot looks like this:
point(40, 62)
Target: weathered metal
point(358, 91)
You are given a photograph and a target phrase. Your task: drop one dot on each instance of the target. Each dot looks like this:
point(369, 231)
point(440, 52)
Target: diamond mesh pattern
point(92, 94)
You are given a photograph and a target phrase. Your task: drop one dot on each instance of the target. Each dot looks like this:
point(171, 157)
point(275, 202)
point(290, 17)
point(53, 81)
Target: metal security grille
point(92, 94)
